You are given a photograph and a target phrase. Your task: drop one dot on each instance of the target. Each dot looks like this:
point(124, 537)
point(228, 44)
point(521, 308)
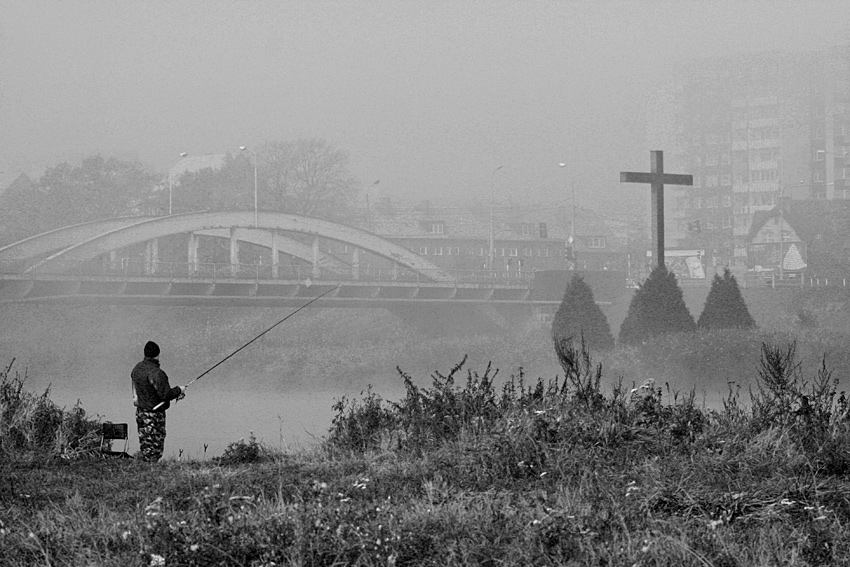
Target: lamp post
point(368, 212)
point(256, 159)
point(171, 183)
point(571, 238)
point(492, 255)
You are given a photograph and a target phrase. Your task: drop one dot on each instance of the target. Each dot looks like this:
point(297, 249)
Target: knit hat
point(151, 349)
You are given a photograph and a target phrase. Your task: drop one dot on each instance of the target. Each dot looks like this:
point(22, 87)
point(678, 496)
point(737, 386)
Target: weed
point(243, 452)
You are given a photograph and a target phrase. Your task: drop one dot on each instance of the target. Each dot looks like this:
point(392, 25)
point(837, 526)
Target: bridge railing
point(265, 272)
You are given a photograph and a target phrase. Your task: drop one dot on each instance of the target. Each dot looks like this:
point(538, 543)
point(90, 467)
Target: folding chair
point(111, 432)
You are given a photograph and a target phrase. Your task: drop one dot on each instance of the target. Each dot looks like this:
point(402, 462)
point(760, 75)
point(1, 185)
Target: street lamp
point(571, 238)
point(171, 183)
point(256, 159)
point(493, 217)
point(573, 215)
point(368, 212)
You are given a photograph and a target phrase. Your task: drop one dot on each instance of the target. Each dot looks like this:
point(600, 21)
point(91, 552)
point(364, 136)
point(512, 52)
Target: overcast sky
point(427, 96)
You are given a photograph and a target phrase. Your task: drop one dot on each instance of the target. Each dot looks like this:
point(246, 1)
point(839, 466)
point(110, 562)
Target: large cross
point(656, 179)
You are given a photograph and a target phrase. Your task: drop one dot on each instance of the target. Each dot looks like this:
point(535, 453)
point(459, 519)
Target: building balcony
point(762, 165)
point(765, 143)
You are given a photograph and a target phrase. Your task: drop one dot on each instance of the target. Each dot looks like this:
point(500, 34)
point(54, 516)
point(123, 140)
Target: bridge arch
point(33, 248)
point(121, 234)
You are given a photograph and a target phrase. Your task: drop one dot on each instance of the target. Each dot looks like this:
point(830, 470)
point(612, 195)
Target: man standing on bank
point(151, 389)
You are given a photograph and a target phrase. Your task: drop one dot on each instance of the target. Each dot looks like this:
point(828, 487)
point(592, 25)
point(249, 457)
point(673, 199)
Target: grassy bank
point(467, 472)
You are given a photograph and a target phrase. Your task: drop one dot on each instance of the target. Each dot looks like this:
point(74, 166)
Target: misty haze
point(401, 120)
point(328, 216)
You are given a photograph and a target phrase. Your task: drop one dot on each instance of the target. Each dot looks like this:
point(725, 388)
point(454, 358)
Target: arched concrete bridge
point(78, 264)
point(87, 241)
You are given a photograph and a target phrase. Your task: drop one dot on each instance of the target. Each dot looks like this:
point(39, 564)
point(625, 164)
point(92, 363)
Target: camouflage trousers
point(151, 426)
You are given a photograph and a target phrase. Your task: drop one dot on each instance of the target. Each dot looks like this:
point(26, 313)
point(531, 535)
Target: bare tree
point(308, 177)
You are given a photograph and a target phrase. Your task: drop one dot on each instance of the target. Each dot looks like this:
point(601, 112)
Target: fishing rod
point(210, 369)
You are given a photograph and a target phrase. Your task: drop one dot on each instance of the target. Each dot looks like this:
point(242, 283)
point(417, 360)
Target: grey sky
point(427, 96)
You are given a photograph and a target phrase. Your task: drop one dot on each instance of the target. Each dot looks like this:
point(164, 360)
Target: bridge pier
point(315, 256)
point(193, 253)
point(234, 253)
point(275, 259)
point(151, 256)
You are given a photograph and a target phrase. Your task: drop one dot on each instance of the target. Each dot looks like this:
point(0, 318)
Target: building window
point(423, 250)
point(438, 251)
point(819, 176)
point(820, 155)
point(727, 222)
point(725, 158)
point(726, 200)
point(527, 229)
point(527, 252)
point(547, 252)
point(596, 242)
point(448, 250)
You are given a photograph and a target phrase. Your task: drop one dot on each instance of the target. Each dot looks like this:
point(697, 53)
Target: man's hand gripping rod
point(159, 405)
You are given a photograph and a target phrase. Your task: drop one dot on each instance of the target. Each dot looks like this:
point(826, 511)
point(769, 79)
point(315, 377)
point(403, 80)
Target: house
point(523, 240)
point(774, 245)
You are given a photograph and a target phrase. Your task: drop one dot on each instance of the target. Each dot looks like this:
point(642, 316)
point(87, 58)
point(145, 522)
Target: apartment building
point(755, 131)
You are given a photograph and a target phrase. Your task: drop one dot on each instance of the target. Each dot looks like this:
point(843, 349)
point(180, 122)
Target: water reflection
point(218, 418)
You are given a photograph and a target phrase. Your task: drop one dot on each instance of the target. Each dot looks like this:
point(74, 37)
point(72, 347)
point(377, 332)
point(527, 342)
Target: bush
point(724, 307)
point(242, 452)
point(579, 317)
point(657, 307)
point(33, 423)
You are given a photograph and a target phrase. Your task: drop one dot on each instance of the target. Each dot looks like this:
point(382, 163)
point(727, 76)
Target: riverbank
point(463, 472)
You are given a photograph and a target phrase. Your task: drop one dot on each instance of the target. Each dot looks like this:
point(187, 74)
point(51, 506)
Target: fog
point(282, 387)
point(427, 96)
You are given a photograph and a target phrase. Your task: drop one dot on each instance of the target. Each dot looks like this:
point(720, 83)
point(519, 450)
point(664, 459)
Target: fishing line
point(213, 367)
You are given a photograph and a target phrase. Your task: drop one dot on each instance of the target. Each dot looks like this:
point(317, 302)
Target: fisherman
point(152, 395)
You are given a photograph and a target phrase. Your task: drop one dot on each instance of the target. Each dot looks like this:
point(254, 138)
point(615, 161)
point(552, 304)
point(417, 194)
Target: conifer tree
point(579, 316)
point(724, 307)
point(657, 307)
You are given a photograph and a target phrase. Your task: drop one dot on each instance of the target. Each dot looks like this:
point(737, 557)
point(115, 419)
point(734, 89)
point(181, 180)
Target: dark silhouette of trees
point(230, 187)
point(98, 188)
point(657, 307)
point(724, 307)
point(579, 316)
point(308, 177)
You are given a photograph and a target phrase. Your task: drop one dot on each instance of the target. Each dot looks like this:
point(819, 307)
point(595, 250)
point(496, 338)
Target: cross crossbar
point(656, 179)
point(664, 178)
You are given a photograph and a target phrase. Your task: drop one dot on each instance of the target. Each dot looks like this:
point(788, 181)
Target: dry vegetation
point(474, 469)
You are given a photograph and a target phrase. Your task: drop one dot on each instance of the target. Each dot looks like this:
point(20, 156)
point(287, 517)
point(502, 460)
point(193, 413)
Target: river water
point(216, 418)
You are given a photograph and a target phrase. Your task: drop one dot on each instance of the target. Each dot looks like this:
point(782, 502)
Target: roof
point(809, 219)
point(474, 223)
point(20, 186)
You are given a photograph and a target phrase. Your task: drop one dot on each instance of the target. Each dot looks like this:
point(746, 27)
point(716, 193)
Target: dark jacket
point(151, 386)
